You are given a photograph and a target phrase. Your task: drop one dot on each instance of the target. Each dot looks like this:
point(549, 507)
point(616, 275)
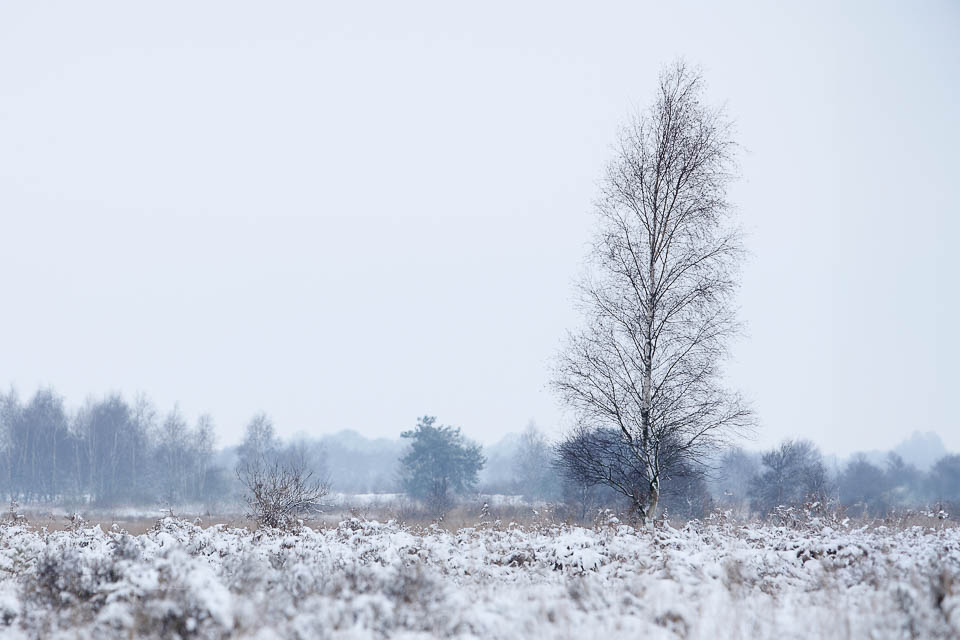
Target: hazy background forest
point(118, 452)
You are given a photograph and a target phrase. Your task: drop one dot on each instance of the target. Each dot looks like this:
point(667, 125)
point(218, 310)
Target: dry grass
point(133, 526)
point(466, 515)
point(462, 516)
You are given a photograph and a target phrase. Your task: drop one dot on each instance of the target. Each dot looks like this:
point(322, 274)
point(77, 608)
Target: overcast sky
point(349, 216)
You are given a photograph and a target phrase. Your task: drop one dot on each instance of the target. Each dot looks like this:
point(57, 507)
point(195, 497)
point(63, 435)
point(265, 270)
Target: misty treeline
point(796, 474)
point(112, 451)
point(593, 469)
point(109, 450)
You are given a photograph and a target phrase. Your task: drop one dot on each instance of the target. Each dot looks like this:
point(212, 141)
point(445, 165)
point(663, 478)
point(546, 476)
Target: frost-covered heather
point(364, 579)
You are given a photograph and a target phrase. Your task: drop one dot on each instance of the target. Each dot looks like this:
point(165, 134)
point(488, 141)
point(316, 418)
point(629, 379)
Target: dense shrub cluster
point(713, 578)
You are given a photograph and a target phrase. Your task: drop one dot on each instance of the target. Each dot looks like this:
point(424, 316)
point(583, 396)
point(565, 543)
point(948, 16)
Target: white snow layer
point(370, 580)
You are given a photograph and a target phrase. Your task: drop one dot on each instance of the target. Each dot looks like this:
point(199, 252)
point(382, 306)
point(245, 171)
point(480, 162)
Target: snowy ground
point(363, 579)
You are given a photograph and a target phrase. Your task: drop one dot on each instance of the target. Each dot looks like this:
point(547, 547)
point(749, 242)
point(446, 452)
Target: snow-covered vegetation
point(707, 579)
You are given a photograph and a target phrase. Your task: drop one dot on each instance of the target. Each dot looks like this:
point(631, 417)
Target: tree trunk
point(654, 500)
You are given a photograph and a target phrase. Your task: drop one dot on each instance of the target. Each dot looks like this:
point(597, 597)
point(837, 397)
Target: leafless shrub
point(13, 515)
point(278, 493)
point(75, 522)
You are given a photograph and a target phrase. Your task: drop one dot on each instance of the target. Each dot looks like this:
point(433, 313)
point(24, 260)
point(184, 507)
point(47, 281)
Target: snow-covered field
point(363, 579)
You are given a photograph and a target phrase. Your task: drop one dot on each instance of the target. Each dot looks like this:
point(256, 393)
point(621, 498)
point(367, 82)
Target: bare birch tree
point(658, 294)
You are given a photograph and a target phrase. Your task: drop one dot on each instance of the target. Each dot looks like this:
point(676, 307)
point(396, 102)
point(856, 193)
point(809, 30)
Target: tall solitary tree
point(658, 294)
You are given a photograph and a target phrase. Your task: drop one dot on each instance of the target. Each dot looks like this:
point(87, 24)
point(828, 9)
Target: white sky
point(353, 215)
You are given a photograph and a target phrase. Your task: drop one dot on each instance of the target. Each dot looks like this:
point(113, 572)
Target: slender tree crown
point(658, 294)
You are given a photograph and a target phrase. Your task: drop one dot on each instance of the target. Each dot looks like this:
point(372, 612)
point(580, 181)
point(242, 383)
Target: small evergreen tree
point(440, 463)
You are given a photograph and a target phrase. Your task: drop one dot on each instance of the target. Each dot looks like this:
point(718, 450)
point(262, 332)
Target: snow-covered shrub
point(13, 514)
point(575, 551)
point(67, 576)
point(126, 547)
point(186, 600)
point(712, 579)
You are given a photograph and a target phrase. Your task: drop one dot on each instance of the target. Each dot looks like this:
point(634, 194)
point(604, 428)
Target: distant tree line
point(114, 451)
point(111, 451)
point(591, 469)
point(795, 473)
point(107, 451)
